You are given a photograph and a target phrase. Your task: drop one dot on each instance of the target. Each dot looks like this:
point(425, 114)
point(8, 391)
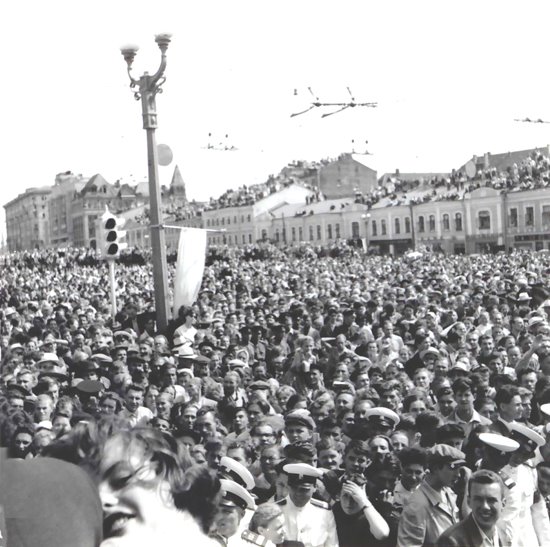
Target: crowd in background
point(353, 400)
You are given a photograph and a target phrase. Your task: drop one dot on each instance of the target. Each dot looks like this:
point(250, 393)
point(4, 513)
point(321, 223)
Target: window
point(223, 221)
point(293, 233)
point(248, 218)
point(446, 222)
point(431, 223)
point(207, 222)
point(234, 220)
point(421, 226)
point(277, 235)
point(244, 238)
point(397, 226)
point(529, 216)
point(242, 218)
point(300, 234)
point(311, 233)
point(337, 226)
point(329, 231)
point(546, 215)
point(374, 229)
point(318, 231)
point(264, 234)
point(228, 221)
point(383, 230)
point(513, 218)
point(407, 225)
point(458, 222)
point(355, 229)
point(249, 238)
point(484, 220)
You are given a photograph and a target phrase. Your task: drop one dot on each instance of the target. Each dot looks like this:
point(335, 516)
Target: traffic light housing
point(112, 236)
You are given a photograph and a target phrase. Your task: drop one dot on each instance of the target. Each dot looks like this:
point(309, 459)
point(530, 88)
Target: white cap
point(525, 435)
point(235, 495)
point(302, 472)
point(237, 472)
point(384, 413)
point(499, 442)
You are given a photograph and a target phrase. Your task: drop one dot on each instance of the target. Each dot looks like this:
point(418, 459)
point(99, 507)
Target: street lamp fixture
point(147, 89)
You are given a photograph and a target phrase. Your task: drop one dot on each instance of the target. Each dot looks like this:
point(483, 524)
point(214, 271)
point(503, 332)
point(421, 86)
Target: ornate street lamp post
point(147, 89)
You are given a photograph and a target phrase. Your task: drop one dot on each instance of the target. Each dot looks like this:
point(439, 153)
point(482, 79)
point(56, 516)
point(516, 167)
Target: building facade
point(247, 224)
point(347, 176)
point(27, 225)
point(66, 186)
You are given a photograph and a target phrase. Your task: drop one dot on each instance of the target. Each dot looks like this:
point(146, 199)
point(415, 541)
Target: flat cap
point(236, 363)
point(430, 351)
point(446, 453)
point(300, 417)
point(89, 387)
point(259, 384)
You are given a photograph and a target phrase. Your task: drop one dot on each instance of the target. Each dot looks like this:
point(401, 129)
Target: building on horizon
point(347, 176)
point(27, 221)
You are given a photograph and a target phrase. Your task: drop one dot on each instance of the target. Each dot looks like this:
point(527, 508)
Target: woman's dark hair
point(413, 455)
point(427, 424)
point(193, 488)
point(389, 463)
point(410, 399)
point(293, 400)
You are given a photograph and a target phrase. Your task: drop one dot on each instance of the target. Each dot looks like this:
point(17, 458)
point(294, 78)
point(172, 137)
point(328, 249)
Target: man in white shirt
point(135, 412)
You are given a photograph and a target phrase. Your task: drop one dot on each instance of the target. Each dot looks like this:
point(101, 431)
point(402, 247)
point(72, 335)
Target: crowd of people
point(309, 397)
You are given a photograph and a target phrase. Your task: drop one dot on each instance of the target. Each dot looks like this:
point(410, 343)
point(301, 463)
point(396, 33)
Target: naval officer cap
point(301, 473)
point(545, 409)
point(525, 436)
point(234, 495)
point(499, 442)
point(231, 469)
point(383, 416)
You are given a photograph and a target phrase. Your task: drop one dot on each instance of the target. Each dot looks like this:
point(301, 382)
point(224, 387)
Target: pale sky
point(449, 78)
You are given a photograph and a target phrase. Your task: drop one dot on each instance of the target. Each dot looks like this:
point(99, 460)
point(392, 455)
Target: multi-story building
point(176, 211)
point(247, 224)
point(60, 206)
point(347, 176)
point(27, 220)
point(90, 203)
point(501, 162)
point(319, 222)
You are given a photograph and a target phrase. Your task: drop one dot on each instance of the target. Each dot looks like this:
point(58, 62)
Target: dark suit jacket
point(499, 427)
point(462, 534)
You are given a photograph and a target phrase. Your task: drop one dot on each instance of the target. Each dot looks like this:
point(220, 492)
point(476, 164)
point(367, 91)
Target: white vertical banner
point(189, 267)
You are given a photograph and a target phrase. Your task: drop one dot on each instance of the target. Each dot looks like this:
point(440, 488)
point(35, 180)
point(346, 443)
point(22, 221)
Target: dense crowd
point(310, 396)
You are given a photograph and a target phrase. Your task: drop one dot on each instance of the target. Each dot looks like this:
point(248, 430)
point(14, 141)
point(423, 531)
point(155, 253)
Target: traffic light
point(111, 235)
